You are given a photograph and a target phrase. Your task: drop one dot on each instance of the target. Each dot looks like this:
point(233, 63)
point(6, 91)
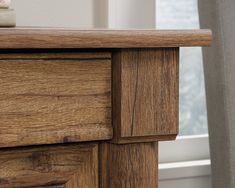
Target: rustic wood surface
point(52, 91)
point(142, 139)
point(54, 98)
point(72, 38)
point(145, 94)
point(128, 166)
point(70, 166)
point(50, 54)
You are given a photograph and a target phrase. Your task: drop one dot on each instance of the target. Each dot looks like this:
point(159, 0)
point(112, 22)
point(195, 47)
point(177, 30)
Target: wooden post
point(145, 110)
point(128, 165)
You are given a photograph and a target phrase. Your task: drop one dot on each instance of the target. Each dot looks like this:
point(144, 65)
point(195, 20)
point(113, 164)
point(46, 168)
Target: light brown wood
point(54, 98)
point(56, 87)
point(145, 94)
point(70, 166)
point(53, 54)
point(72, 38)
point(142, 139)
point(128, 166)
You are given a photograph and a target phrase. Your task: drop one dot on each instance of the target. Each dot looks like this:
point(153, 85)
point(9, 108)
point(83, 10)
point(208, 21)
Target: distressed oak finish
point(116, 88)
point(71, 166)
point(145, 94)
point(54, 98)
point(130, 165)
point(73, 38)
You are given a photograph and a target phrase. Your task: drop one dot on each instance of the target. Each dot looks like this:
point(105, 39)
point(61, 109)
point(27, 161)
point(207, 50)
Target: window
point(183, 14)
point(182, 157)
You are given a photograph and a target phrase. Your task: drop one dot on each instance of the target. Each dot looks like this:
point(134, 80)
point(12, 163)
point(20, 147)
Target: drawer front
point(54, 98)
point(69, 166)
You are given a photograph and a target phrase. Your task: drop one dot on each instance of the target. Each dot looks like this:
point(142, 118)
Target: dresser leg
point(128, 165)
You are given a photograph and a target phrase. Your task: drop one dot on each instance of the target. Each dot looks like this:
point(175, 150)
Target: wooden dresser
point(86, 109)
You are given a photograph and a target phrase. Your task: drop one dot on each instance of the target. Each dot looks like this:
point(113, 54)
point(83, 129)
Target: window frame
point(184, 148)
point(181, 158)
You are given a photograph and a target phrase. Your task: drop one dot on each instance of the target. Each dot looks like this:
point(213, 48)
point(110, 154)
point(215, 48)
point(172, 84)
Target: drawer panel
point(67, 166)
point(54, 98)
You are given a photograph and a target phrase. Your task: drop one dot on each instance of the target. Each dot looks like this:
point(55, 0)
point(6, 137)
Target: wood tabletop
point(19, 38)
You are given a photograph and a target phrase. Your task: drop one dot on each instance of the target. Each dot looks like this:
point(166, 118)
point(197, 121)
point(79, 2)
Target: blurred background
point(185, 162)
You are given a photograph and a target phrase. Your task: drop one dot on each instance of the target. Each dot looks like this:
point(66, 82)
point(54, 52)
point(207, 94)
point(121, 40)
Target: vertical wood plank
point(145, 93)
point(128, 166)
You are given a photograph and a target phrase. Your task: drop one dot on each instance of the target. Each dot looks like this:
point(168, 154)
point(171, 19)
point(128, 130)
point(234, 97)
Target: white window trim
point(186, 169)
point(184, 148)
point(182, 158)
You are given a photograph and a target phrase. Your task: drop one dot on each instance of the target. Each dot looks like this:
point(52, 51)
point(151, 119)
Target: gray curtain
point(219, 68)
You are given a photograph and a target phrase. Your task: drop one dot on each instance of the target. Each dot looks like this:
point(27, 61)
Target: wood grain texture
point(145, 94)
point(17, 38)
point(69, 166)
point(128, 166)
point(143, 139)
point(54, 98)
point(47, 54)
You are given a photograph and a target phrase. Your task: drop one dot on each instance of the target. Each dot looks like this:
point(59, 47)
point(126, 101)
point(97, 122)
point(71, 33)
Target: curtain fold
point(219, 69)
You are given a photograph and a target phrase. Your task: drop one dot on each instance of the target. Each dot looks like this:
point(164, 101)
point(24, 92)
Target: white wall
point(119, 14)
point(133, 14)
point(57, 13)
